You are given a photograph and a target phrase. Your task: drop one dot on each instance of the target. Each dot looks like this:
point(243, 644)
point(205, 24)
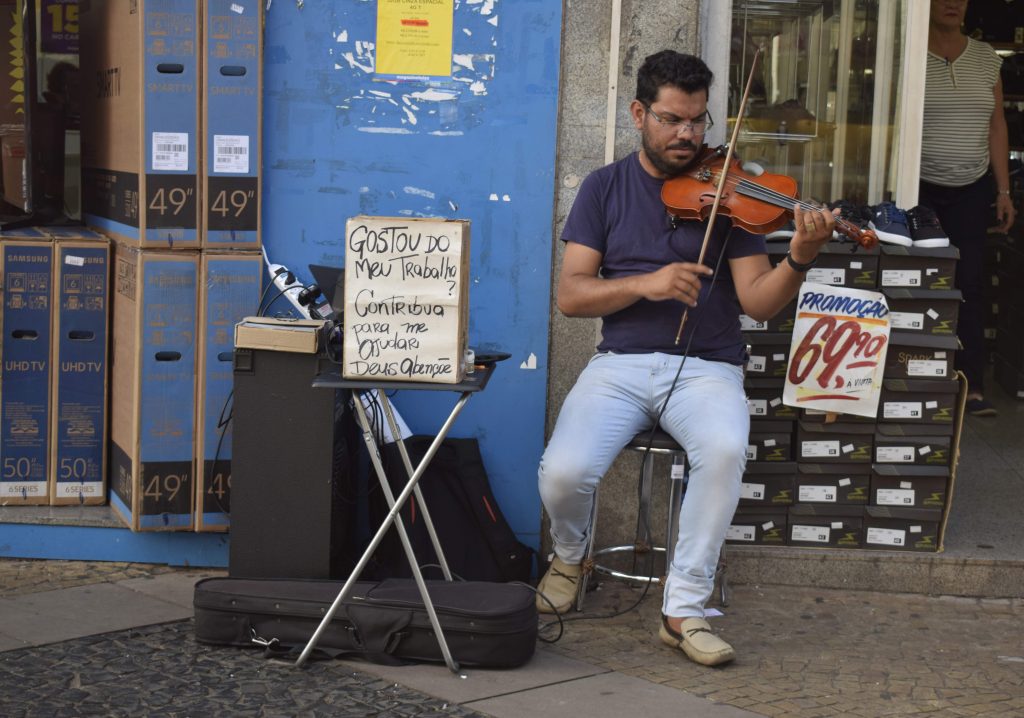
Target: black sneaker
point(855, 214)
point(925, 230)
point(980, 407)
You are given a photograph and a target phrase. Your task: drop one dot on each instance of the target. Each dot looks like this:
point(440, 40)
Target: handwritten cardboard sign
point(406, 299)
point(837, 356)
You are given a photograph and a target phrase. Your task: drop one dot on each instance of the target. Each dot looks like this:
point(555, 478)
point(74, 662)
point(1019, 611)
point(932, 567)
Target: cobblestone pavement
point(161, 671)
point(802, 653)
point(810, 653)
point(21, 576)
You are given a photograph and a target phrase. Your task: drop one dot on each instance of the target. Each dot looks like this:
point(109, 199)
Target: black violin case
point(490, 625)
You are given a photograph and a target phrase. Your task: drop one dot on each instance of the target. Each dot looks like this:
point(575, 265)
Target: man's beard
point(662, 164)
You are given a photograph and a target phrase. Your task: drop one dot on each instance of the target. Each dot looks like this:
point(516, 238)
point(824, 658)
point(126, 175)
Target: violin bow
point(721, 180)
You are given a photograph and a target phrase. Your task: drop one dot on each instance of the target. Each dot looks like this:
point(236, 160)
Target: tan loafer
point(559, 586)
point(697, 641)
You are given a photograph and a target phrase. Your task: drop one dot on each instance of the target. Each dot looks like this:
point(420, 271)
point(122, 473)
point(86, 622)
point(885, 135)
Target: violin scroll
point(866, 238)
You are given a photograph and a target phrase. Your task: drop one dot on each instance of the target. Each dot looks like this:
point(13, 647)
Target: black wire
point(647, 450)
point(264, 310)
point(267, 289)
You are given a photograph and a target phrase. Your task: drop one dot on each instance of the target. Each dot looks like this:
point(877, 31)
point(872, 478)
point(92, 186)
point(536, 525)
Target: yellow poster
point(414, 37)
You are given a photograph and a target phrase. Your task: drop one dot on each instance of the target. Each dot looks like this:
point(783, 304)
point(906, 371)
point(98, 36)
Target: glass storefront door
point(824, 105)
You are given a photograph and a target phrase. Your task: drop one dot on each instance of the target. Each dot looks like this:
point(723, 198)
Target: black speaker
point(292, 496)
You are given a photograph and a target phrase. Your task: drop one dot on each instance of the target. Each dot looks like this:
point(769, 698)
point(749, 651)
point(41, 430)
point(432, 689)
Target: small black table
point(473, 383)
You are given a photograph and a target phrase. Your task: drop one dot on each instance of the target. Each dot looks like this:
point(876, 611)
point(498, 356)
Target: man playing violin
point(625, 262)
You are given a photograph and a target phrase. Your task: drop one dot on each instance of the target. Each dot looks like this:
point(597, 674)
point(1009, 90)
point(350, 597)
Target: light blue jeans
point(619, 395)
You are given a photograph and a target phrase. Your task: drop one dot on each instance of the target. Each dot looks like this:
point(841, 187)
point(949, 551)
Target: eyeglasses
point(697, 127)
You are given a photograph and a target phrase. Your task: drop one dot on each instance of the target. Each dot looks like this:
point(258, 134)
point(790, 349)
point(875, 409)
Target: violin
point(757, 203)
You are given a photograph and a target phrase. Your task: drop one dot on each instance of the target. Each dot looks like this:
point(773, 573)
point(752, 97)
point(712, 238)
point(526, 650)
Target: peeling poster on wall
point(414, 38)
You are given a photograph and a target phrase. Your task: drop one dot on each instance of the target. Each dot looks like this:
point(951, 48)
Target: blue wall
point(479, 145)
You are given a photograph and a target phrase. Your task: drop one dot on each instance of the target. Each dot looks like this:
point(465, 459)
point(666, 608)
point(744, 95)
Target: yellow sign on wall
point(414, 37)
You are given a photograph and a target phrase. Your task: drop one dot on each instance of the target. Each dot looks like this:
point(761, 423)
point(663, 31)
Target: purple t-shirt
point(619, 212)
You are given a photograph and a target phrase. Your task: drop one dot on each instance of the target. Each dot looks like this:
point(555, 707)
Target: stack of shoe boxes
point(53, 399)
point(1008, 360)
point(767, 489)
point(847, 481)
point(171, 164)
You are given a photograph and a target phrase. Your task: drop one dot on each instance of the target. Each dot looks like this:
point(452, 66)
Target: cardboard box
point(912, 444)
point(917, 267)
point(757, 527)
point(930, 402)
point(140, 120)
point(27, 270)
point(920, 356)
point(767, 483)
point(232, 91)
point(769, 355)
point(764, 400)
point(833, 484)
point(897, 486)
point(825, 526)
point(838, 442)
point(152, 398)
point(12, 148)
point(770, 441)
point(406, 299)
point(837, 265)
point(893, 529)
point(929, 311)
point(78, 473)
point(229, 289)
point(299, 336)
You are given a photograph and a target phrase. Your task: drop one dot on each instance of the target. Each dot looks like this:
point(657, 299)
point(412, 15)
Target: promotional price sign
point(837, 355)
point(58, 27)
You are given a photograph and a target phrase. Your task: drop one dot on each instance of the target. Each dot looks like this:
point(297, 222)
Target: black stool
point(663, 444)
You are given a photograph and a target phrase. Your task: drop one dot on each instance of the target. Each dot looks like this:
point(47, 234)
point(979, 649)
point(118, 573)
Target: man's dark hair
point(669, 67)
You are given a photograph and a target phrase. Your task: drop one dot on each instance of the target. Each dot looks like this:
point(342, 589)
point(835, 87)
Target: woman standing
point(964, 163)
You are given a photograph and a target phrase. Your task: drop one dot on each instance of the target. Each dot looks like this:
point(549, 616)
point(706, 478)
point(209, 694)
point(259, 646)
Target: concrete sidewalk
point(114, 639)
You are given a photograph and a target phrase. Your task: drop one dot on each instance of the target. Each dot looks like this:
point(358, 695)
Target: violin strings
point(763, 193)
point(766, 194)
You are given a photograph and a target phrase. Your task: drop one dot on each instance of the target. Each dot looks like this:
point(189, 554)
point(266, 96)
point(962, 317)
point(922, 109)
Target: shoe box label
point(761, 526)
point(768, 485)
point(901, 278)
point(902, 529)
point(769, 355)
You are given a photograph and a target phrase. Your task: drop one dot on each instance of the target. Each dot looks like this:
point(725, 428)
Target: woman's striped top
point(958, 105)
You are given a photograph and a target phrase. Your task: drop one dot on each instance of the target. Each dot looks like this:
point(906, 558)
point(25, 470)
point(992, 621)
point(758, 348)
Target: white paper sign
point(406, 299)
point(837, 355)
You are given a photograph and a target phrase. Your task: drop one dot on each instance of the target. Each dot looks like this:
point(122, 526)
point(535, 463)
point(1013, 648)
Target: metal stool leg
point(677, 486)
point(588, 559)
point(642, 543)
